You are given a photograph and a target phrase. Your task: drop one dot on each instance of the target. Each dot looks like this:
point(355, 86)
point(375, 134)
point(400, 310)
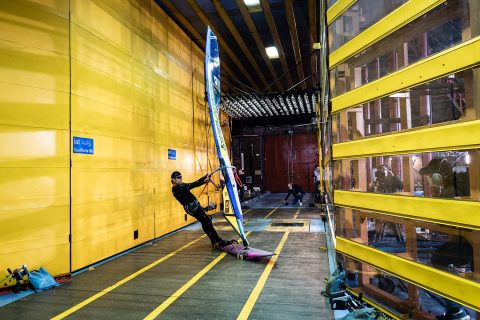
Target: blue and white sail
point(212, 86)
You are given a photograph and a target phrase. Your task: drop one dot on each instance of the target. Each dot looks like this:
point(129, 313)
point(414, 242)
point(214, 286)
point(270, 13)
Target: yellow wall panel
point(126, 76)
point(60, 8)
point(33, 67)
point(106, 120)
point(95, 19)
point(33, 147)
point(101, 87)
point(45, 222)
point(22, 188)
point(34, 135)
point(104, 245)
point(102, 56)
point(95, 218)
point(25, 26)
point(107, 184)
point(24, 104)
point(55, 257)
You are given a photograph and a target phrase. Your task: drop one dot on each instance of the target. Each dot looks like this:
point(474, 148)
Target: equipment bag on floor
point(41, 280)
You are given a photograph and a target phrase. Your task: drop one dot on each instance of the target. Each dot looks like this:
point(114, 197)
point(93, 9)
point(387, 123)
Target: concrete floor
point(198, 282)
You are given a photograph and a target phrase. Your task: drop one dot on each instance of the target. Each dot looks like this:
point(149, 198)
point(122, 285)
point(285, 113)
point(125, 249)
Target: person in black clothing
point(181, 192)
point(241, 191)
point(297, 192)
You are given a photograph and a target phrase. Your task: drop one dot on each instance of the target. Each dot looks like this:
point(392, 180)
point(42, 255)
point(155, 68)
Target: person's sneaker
point(455, 314)
point(300, 203)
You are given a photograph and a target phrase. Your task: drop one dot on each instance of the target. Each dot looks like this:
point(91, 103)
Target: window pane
point(441, 28)
point(446, 174)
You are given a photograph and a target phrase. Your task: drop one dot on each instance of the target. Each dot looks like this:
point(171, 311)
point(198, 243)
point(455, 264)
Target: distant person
point(456, 254)
point(386, 181)
point(297, 192)
point(316, 184)
point(181, 192)
point(241, 186)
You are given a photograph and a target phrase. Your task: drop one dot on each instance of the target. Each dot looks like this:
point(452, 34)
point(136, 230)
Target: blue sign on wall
point(82, 145)
point(172, 154)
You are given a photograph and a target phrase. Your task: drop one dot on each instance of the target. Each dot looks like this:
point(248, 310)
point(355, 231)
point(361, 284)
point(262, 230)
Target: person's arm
point(197, 183)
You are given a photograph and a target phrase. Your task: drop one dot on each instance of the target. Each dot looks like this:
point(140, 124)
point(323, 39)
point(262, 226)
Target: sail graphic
point(233, 210)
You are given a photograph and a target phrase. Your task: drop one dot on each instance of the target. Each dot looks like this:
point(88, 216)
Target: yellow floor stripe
point(185, 287)
point(252, 299)
point(119, 283)
point(248, 211)
point(271, 212)
point(296, 214)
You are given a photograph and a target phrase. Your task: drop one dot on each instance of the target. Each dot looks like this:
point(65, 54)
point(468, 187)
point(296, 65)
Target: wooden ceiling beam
point(276, 38)
point(312, 23)
point(197, 36)
point(228, 22)
point(292, 26)
point(223, 45)
point(258, 41)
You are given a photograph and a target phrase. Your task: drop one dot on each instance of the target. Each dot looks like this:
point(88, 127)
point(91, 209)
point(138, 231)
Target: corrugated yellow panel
point(135, 15)
point(101, 56)
point(455, 59)
point(24, 27)
point(33, 147)
point(106, 120)
point(450, 212)
point(60, 8)
point(113, 241)
point(33, 107)
point(458, 289)
point(33, 67)
point(96, 20)
point(54, 255)
point(337, 9)
point(108, 184)
point(29, 188)
point(101, 87)
point(93, 219)
point(447, 137)
point(400, 17)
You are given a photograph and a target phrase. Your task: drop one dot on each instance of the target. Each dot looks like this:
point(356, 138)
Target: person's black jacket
point(295, 191)
point(182, 193)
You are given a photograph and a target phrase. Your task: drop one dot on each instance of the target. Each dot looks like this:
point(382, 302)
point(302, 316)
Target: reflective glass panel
point(403, 297)
point(447, 99)
point(442, 247)
point(441, 28)
point(361, 15)
point(445, 174)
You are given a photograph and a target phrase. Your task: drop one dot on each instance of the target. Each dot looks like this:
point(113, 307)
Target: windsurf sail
point(212, 87)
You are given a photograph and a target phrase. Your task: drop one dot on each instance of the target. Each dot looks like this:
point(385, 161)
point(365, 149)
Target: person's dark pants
point(298, 198)
point(207, 224)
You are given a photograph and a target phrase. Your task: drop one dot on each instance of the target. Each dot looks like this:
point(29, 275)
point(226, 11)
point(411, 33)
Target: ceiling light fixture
point(272, 52)
point(251, 3)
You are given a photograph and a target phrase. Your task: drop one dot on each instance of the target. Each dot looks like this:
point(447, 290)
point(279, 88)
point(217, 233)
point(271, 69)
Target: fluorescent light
point(272, 52)
point(251, 3)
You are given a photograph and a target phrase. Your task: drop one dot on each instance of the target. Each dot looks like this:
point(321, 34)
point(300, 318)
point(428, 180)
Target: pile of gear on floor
point(356, 308)
point(340, 299)
point(23, 279)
